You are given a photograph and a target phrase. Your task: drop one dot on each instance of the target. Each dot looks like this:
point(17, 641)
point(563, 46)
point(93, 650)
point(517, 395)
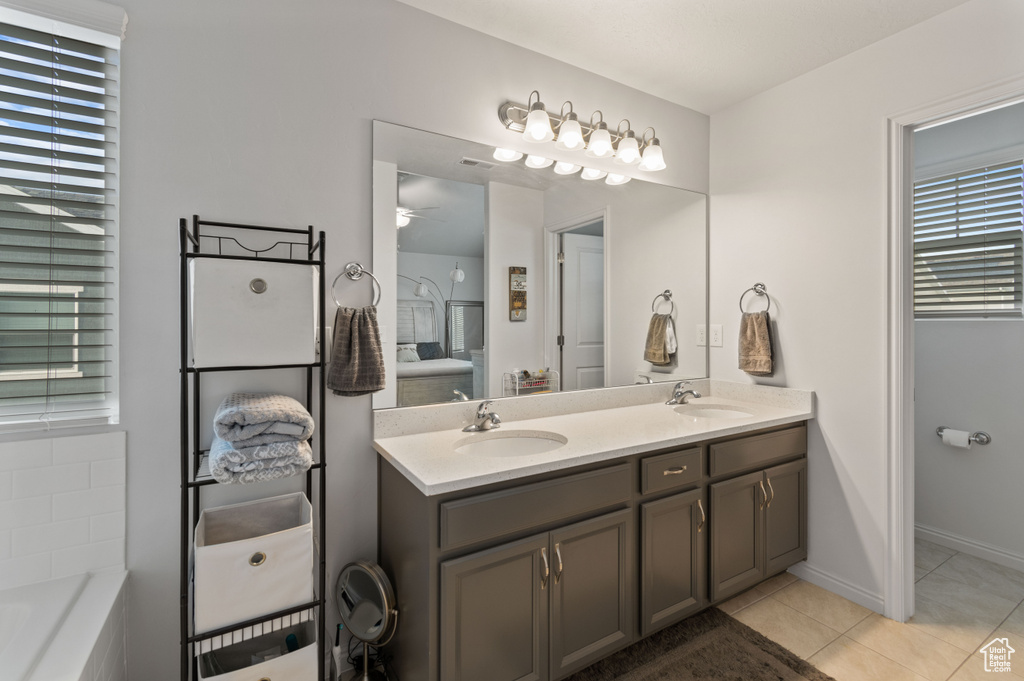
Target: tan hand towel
point(756, 343)
point(357, 360)
point(656, 349)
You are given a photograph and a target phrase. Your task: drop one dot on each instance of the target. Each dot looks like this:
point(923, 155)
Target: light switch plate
point(716, 335)
point(702, 335)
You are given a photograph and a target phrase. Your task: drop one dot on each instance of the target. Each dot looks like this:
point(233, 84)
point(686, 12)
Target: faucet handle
point(481, 411)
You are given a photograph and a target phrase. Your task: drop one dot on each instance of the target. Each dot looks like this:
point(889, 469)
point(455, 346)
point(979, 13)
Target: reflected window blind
point(58, 225)
point(968, 244)
point(458, 327)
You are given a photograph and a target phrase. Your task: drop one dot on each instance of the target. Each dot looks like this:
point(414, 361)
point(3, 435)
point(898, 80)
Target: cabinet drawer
point(496, 514)
point(753, 452)
point(671, 470)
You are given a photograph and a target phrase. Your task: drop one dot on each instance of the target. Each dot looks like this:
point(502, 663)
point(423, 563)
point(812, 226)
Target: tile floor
point(963, 602)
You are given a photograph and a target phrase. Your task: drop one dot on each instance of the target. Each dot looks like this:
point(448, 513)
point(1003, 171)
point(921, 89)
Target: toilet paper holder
point(980, 437)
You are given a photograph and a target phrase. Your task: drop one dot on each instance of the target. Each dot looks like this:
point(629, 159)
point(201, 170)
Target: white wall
point(260, 111)
point(969, 377)
point(515, 238)
point(798, 184)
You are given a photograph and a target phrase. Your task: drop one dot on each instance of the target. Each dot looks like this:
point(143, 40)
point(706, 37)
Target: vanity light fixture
point(533, 161)
point(538, 125)
point(652, 158)
point(507, 155)
point(593, 138)
point(592, 174)
point(616, 179)
point(563, 168)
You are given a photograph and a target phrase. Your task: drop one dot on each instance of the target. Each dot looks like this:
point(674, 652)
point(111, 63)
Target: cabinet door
point(672, 562)
point(736, 534)
point(494, 613)
point(592, 590)
point(785, 516)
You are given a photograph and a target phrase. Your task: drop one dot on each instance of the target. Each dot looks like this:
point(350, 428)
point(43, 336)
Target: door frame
point(552, 286)
point(898, 586)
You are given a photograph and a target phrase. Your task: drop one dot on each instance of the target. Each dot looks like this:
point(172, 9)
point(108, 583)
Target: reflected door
point(582, 312)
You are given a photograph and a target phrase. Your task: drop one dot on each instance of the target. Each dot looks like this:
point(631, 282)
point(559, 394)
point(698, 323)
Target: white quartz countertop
point(430, 462)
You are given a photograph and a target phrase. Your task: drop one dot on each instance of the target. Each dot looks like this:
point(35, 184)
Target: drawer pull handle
point(764, 494)
point(257, 559)
point(703, 516)
point(558, 555)
point(677, 470)
point(772, 490)
point(547, 569)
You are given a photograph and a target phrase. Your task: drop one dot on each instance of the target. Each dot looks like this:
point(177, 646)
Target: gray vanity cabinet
point(736, 534)
point(563, 597)
point(672, 559)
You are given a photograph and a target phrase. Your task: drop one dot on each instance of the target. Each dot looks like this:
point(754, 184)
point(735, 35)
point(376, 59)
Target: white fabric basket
point(252, 559)
point(233, 325)
point(236, 660)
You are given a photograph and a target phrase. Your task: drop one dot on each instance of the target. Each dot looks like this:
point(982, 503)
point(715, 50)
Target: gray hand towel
point(756, 344)
point(656, 350)
point(357, 360)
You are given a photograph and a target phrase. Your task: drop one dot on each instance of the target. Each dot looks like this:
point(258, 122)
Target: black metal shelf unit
point(194, 475)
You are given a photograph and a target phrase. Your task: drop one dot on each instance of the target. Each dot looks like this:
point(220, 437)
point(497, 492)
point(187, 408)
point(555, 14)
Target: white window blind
point(968, 243)
point(58, 226)
point(458, 328)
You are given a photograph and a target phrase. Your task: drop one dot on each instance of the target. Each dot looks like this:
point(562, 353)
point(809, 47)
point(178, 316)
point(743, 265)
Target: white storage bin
point(241, 661)
point(252, 559)
point(247, 313)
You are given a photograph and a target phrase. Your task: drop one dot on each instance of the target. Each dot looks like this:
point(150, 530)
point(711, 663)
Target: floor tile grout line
point(826, 624)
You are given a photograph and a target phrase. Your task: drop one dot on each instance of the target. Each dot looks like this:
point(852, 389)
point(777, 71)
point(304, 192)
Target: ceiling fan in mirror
point(405, 215)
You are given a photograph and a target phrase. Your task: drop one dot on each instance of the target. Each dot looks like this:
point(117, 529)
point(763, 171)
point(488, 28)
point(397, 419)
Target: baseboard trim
point(838, 585)
point(974, 548)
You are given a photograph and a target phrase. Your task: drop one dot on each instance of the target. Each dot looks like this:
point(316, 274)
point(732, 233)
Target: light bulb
point(507, 155)
point(652, 159)
point(420, 290)
point(615, 179)
point(600, 142)
point(570, 134)
point(538, 125)
point(457, 276)
point(591, 174)
point(628, 151)
point(538, 161)
point(402, 219)
point(563, 168)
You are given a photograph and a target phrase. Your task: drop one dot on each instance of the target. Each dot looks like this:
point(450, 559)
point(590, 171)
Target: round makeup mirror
point(368, 610)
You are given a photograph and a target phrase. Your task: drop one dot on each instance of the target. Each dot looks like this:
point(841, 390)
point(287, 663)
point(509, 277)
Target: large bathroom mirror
point(501, 280)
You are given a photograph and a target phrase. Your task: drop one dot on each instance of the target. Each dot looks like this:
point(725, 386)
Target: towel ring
point(355, 272)
point(667, 295)
point(760, 290)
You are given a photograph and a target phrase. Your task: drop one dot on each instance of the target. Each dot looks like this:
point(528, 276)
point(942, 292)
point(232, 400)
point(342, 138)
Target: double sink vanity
point(583, 523)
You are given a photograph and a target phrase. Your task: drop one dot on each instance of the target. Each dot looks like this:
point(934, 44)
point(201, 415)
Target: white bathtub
point(69, 629)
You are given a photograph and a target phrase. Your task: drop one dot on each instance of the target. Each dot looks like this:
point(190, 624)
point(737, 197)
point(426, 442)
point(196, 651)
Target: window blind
point(458, 328)
point(58, 227)
point(968, 243)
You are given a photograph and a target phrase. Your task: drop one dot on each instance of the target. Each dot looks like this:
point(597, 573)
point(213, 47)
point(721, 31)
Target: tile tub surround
point(599, 426)
point(62, 504)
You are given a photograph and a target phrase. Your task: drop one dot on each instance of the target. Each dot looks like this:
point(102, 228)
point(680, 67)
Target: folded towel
point(357, 360)
point(756, 343)
point(269, 461)
point(250, 419)
point(656, 350)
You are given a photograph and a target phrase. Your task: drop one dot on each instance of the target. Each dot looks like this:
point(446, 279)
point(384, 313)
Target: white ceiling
point(702, 54)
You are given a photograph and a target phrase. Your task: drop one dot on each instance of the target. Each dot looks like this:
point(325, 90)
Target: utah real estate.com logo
point(997, 655)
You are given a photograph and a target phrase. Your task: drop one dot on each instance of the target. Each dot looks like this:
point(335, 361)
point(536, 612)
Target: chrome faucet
point(644, 379)
point(460, 396)
point(679, 395)
point(485, 419)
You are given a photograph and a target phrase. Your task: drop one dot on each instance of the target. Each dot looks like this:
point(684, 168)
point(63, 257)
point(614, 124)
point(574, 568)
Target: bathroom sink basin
point(503, 443)
point(699, 411)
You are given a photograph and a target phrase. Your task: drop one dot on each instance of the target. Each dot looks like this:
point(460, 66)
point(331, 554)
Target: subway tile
point(25, 512)
point(106, 526)
point(88, 447)
point(50, 480)
point(25, 454)
point(87, 558)
point(6, 488)
point(5, 544)
point(88, 502)
point(49, 537)
point(24, 570)
point(107, 472)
